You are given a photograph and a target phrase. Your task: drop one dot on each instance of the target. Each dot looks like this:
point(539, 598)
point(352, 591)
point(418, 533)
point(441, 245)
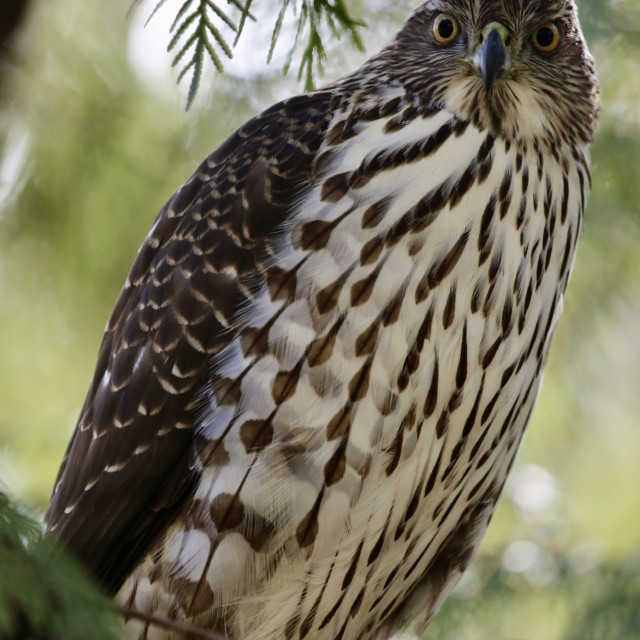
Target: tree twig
point(169, 623)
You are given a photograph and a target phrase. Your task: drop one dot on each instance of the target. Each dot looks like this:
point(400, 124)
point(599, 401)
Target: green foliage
point(599, 604)
point(196, 34)
point(608, 606)
point(43, 594)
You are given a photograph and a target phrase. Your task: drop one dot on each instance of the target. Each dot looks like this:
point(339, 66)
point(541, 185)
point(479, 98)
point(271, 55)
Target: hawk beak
point(492, 60)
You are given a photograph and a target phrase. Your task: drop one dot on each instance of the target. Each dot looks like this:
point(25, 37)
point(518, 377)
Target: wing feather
point(128, 467)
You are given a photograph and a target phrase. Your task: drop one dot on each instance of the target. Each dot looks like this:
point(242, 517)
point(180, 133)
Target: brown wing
point(127, 468)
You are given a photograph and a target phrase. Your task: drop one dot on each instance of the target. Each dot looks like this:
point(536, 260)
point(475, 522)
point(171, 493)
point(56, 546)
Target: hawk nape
point(318, 373)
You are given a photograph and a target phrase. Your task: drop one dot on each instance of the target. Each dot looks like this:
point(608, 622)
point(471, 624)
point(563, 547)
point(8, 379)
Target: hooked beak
point(492, 60)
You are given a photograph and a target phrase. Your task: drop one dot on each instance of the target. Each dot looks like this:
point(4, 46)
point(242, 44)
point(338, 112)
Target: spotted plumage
point(320, 368)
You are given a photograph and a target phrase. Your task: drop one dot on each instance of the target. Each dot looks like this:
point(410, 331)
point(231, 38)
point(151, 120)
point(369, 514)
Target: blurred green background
point(94, 139)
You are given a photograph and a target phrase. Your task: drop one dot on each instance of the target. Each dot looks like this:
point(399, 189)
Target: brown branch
point(169, 623)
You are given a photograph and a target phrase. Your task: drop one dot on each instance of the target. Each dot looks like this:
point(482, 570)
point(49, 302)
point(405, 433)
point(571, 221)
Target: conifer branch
point(196, 36)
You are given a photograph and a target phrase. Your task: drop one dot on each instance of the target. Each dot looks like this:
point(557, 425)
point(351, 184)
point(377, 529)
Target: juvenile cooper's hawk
point(320, 368)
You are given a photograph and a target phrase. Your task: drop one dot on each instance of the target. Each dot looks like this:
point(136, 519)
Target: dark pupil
point(445, 28)
point(544, 37)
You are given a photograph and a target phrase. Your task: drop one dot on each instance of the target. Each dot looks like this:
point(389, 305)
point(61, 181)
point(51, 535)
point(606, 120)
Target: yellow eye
point(445, 28)
point(546, 38)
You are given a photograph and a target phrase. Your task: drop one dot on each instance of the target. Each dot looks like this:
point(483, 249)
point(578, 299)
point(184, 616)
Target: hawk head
point(519, 67)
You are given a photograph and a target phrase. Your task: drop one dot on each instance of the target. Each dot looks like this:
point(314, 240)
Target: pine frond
point(43, 594)
point(243, 18)
point(195, 35)
point(313, 14)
